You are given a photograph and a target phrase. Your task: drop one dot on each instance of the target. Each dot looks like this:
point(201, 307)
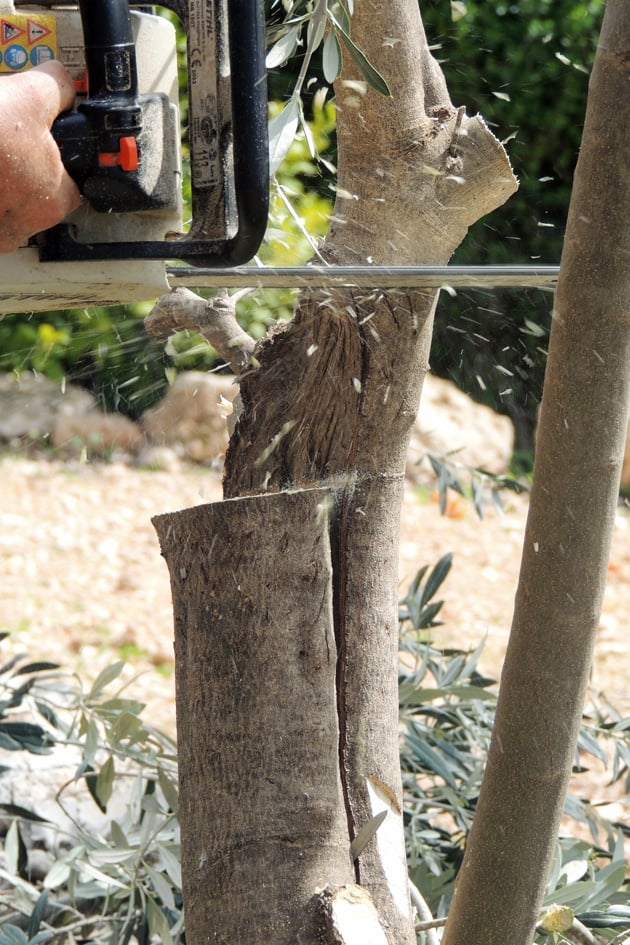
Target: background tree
point(576, 483)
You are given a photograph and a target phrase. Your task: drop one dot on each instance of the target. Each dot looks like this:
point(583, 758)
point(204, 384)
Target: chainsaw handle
point(248, 93)
point(227, 106)
point(109, 49)
point(251, 140)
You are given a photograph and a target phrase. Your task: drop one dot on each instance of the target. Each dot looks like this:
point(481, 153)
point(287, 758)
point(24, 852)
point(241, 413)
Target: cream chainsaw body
point(123, 146)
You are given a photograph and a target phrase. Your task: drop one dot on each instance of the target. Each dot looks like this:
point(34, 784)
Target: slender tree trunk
point(328, 402)
point(576, 479)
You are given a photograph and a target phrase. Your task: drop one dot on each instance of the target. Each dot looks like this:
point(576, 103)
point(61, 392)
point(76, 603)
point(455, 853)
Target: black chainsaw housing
point(89, 139)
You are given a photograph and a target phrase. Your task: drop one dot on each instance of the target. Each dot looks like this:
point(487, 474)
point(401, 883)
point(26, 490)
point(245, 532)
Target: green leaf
point(497, 500)
point(113, 856)
point(12, 935)
point(431, 760)
point(172, 863)
point(8, 666)
point(284, 48)
point(437, 576)
point(426, 618)
point(169, 790)
point(615, 917)
point(37, 915)
point(104, 678)
point(36, 667)
point(337, 11)
point(105, 783)
point(607, 881)
point(282, 130)
point(478, 496)
point(372, 75)
point(410, 695)
point(158, 923)
point(27, 736)
point(572, 893)
point(125, 727)
point(331, 57)
point(316, 29)
point(101, 877)
point(90, 781)
point(453, 671)
point(15, 851)
point(49, 714)
point(14, 810)
point(58, 874)
point(113, 707)
point(119, 838)
point(8, 743)
point(574, 870)
point(471, 663)
point(162, 887)
point(90, 747)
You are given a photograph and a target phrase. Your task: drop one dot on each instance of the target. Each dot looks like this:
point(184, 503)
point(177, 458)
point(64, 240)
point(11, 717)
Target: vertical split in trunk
point(345, 390)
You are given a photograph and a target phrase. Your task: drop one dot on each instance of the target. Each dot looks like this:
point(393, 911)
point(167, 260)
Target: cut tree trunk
point(261, 807)
point(579, 452)
point(328, 402)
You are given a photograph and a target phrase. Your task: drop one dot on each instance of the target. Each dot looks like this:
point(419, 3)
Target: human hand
point(36, 192)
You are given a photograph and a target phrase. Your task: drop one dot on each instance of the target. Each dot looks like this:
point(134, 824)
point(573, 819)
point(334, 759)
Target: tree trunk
point(576, 480)
point(329, 401)
point(262, 815)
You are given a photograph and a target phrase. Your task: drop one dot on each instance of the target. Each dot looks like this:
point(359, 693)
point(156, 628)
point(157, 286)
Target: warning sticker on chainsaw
point(26, 40)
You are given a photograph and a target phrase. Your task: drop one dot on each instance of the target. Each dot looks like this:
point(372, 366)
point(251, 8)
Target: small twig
point(427, 923)
point(298, 221)
point(580, 934)
point(576, 932)
point(214, 318)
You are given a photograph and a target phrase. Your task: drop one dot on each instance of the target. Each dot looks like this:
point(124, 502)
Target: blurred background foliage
point(524, 66)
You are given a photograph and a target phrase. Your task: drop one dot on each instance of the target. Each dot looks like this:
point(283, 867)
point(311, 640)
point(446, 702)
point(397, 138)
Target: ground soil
point(83, 582)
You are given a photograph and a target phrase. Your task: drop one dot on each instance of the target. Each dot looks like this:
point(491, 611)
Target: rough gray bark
point(576, 479)
point(262, 815)
point(330, 400)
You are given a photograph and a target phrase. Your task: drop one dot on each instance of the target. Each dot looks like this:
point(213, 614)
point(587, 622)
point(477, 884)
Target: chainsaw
point(122, 144)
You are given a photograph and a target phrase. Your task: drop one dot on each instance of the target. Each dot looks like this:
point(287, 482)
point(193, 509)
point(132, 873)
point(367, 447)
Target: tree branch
point(427, 923)
point(214, 318)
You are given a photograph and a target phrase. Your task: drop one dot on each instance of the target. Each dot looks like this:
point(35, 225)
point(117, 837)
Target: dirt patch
point(83, 582)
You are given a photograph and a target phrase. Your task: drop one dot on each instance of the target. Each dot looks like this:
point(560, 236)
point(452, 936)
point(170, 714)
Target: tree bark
point(329, 401)
point(576, 480)
point(262, 816)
